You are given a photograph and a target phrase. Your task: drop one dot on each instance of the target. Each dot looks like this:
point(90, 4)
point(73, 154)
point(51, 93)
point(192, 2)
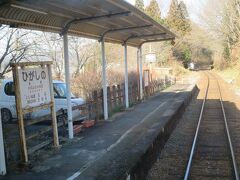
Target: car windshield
point(60, 90)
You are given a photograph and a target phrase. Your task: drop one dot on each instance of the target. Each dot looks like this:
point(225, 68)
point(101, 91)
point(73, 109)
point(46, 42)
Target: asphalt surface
point(111, 148)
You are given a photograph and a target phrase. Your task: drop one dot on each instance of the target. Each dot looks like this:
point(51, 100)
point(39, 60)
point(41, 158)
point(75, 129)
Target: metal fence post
point(126, 77)
point(68, 83)
point(2, 153)
point(140, 72)
point(104, 81)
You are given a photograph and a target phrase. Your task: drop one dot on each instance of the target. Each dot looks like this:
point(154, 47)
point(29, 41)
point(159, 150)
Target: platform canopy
point(116, 20)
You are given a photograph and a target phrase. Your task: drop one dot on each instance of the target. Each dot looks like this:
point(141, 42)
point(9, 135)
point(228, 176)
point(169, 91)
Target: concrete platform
point(121, 147)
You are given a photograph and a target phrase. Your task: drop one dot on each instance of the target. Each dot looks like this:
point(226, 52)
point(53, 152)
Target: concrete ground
point(111, 149)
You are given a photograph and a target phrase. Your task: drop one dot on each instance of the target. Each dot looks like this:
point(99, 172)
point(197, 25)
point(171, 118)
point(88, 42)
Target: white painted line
point(87, 165)
point(74, 176)
point(128, 131)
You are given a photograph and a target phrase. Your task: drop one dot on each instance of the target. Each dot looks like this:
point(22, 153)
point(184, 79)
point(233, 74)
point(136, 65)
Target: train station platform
point(123, 146)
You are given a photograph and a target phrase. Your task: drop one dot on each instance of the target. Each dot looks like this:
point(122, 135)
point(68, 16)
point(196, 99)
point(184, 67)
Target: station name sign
point(34, 86)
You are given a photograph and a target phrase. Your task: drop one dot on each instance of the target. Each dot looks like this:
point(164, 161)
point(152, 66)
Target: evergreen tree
point(177, 18)
point(184, 22)
point(173, 9)
point(139, 4)
point(153, 11)
point(183, 9)
point(172, 19)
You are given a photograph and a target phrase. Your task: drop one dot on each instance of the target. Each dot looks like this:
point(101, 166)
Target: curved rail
point(196, 134)
point(227, 131)
point(228, 134)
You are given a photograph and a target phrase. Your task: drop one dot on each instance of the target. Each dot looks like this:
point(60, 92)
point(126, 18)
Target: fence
point(92, 109)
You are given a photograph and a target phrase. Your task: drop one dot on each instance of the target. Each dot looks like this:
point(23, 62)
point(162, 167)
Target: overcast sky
point(194, 7)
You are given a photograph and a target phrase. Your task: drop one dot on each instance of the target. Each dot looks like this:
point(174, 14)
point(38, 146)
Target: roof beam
point(123, 29)
point(157, 40)
point(144, 17)
point(28, 8)
point(143, 36)
point(92, 18)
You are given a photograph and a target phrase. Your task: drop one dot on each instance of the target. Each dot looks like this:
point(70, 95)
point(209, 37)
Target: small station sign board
point(151, 58)
point(34, 86)
point(33, 92)
point(146, 76)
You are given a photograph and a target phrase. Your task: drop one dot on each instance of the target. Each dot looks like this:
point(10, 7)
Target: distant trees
point(222, 20)
point(139, 4)
point(14, 48)
point(82, 52)
point(51, 46)
point(230, 26)
point(178, 19)
point(154, 11)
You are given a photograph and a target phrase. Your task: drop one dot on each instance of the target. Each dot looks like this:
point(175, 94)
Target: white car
point(8, 104)
point(191, 66)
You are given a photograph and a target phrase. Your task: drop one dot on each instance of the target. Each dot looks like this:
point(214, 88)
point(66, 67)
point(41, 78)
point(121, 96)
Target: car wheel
point(6, 115)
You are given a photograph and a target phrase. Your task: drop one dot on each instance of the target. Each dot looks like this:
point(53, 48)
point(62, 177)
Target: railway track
point(212, 154)
point(205, 152)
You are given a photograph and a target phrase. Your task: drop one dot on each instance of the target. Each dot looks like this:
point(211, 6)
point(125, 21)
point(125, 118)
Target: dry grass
point(231, 74)
point(178, 68)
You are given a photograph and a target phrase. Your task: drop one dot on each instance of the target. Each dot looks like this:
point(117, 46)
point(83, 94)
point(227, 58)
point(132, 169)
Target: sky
point(194, 7)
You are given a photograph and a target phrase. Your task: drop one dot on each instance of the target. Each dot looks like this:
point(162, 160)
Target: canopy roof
point(116, 20)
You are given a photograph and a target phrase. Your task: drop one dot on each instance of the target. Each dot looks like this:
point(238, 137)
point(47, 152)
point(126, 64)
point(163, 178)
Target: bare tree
point(49, 47)
point(82, 51)
point(14, 47)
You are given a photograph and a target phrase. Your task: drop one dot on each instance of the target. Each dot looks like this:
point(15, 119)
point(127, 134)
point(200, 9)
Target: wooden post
point(96, 105)
point(114, 96)
point(131, 93)
point(159, 85)
point(53, 112)
point(122, 94)
point(119, 95)
point(166, 81)
point(135, 92)
point(23, 145)
point(109, 100)
point(102, 103)
point(19, 101)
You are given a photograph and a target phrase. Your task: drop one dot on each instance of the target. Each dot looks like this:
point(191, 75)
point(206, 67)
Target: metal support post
point(138, 80)
point(2, 153)
point(68, 82)
point(126, 76)
point(104, 81)
point(140, 73)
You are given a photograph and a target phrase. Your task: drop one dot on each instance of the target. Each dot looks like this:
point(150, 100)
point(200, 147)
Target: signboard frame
point(20, 111)
point(151, 57)
point(146, 75)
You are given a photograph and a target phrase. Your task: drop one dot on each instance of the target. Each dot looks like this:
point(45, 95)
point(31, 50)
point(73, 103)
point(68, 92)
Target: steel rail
point(196, 135)
point(228, 134)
